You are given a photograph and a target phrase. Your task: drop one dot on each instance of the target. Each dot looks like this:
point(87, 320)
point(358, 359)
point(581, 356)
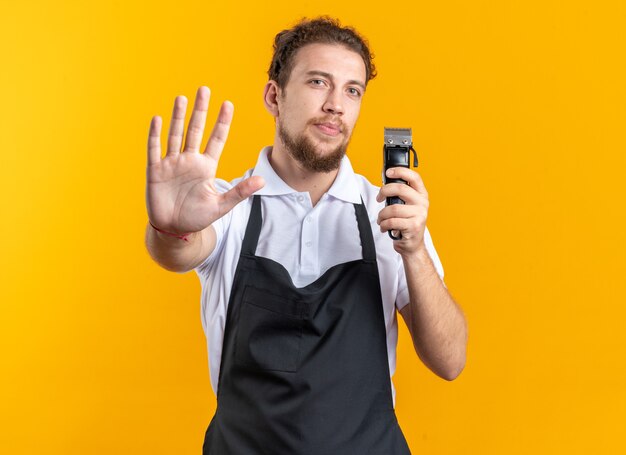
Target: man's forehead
point(332, 59)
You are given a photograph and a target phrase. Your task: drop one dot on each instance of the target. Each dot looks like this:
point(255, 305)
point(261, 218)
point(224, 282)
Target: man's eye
point(317, 82)
point(354, 91)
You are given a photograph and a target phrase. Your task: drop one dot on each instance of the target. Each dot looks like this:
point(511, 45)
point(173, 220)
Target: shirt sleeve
point(403, 291)
point(221, 226)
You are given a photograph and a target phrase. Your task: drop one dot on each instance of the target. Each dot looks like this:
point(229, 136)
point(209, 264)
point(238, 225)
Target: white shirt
point(307, 241)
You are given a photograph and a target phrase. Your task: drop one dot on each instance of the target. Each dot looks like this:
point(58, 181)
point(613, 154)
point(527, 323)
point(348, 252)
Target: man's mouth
point(329, 128)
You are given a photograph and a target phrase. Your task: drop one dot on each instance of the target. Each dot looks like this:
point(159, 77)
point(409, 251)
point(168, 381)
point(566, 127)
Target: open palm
point(180, 192)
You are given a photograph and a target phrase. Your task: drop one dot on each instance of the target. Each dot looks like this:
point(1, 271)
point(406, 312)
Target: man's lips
point(329, 128)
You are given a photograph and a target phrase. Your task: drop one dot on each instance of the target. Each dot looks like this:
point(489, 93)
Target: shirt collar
point(274, 185)
point(344, 187)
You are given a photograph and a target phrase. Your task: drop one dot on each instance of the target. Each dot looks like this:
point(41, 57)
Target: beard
point(304, 151)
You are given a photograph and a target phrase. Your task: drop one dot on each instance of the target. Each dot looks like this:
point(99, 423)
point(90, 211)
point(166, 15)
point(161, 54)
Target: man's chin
point(327, 145)
point(314, 154)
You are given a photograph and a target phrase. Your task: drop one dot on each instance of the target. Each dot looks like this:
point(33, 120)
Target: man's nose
point(333, 104)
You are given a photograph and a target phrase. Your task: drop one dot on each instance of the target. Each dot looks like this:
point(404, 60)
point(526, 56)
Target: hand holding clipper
point(398, 143)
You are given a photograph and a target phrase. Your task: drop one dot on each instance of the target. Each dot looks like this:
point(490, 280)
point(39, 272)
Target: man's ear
point(271, 93)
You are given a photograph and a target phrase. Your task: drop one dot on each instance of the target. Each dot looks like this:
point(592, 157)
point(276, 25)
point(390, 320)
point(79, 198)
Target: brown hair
point(323, 29)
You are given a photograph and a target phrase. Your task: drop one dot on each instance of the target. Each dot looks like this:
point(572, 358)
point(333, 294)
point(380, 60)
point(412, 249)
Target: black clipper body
point(396, 153)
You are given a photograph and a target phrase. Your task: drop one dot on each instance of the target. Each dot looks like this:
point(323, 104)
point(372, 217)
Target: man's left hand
point(409, 218)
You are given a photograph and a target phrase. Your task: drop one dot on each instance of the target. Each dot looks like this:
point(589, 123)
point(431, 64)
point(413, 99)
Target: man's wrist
point(419, 258)
point(186, 237)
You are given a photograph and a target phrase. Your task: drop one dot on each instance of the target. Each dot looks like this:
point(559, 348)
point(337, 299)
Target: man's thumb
point(242, 190)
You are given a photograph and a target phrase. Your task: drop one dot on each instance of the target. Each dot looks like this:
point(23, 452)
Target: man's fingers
point(198, 120)
point(154, 140)
point(408, 194)
point(403, 211)
point(410, 176)
point(216, 142)
point(396, 224)
point(396, 211)
point(177, 126)
point(241, 191)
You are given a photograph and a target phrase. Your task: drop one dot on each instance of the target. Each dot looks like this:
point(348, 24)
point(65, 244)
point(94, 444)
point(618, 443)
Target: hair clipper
point(396, 153)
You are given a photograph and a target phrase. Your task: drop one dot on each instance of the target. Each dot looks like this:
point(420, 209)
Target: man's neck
point(298, 178)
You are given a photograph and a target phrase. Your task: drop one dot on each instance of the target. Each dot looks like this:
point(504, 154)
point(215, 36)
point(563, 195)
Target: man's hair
point(323, 30)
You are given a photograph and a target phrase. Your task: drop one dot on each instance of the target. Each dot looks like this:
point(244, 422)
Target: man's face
point(319, 106)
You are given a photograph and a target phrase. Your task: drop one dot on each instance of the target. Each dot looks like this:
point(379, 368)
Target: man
point(299, 286)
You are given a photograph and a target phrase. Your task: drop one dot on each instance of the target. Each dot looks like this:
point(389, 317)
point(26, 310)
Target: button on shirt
point(306, 241)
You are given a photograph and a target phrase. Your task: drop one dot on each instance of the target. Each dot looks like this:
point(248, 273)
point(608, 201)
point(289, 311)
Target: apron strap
point(365, 231)
point(253, 229)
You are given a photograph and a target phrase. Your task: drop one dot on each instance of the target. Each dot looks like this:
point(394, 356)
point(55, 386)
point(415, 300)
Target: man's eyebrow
point(330, 76)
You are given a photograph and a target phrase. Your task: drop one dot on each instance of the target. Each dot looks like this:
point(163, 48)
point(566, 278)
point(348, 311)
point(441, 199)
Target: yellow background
point(518, 113)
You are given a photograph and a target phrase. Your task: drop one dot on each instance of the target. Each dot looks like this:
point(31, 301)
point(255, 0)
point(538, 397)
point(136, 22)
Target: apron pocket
point(269, 332)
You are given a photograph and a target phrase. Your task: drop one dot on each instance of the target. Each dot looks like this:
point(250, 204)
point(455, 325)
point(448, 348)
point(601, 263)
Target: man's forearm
point(437, 324)
point(175, 254)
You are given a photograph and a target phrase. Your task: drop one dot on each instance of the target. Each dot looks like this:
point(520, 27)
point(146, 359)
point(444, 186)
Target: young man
point(300, 282)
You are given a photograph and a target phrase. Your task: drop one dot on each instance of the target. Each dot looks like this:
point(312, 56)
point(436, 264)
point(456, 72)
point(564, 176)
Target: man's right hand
point(180, 192)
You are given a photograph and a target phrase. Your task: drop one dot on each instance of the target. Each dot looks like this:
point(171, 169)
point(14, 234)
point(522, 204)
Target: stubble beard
point(304, 151)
